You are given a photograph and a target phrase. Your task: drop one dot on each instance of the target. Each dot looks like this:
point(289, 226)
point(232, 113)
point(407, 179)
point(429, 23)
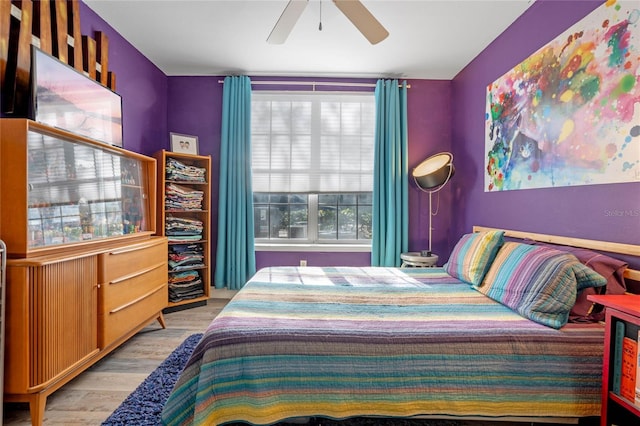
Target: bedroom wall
point(195, 108)
point(142, 86)
point(154, 105)
point(443, 115)
point(580, 211)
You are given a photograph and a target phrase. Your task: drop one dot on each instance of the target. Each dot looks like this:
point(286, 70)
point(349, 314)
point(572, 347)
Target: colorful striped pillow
point(587, 277)
point(539, 283)
point(472, 256)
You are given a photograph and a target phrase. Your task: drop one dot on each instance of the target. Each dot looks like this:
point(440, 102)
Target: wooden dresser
point(85, 269)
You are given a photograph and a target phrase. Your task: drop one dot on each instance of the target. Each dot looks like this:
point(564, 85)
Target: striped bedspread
point(341, 342)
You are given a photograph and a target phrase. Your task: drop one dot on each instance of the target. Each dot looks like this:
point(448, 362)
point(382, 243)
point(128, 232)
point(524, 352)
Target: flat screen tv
point(67, 99)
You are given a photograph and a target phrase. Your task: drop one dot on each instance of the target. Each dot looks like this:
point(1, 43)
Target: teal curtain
point(390, 175)
point(235, 257)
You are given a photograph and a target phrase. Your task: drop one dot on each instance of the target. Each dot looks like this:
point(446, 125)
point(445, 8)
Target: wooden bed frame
point(605, 246)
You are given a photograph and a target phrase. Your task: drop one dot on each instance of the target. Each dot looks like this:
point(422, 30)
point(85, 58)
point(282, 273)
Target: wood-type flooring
point(92, 396)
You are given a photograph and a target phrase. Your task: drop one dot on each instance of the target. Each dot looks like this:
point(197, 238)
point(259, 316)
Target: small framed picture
point(184, 144)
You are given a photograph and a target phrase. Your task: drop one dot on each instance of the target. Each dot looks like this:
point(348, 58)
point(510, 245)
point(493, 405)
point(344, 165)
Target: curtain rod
point(312, 83)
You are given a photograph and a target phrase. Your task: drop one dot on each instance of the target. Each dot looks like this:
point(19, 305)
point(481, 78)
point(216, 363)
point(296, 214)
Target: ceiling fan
point(357, 13)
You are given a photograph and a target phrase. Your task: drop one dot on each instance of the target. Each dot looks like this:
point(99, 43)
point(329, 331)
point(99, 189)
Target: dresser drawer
point(116, 322)
point(133, 288)
point(118, 263)
point(124, 290)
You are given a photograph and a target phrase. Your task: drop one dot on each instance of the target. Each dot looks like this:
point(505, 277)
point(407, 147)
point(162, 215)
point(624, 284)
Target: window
point(312, 166)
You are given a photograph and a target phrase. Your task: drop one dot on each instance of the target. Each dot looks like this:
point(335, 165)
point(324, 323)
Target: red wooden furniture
point(626, 308)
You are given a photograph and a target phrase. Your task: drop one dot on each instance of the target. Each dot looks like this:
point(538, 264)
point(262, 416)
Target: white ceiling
point(428, 39)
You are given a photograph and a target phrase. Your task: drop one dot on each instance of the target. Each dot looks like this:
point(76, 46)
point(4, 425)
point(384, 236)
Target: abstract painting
point(569, 114)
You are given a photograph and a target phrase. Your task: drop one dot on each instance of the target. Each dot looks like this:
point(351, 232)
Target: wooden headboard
point(605, 246)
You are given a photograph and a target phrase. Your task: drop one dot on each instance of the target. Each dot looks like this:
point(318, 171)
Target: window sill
point(351, 248)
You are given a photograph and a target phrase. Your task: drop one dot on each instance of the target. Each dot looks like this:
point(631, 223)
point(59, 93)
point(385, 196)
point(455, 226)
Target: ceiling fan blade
point(364, 21)
point(287, 20)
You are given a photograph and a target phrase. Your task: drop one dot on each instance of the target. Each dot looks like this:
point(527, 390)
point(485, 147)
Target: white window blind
point(312, 142)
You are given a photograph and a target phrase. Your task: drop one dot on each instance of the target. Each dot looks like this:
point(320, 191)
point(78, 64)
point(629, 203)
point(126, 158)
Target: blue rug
point(144, 406)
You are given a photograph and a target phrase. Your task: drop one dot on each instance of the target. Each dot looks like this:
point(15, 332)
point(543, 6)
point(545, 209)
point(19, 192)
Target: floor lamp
point(431, 176)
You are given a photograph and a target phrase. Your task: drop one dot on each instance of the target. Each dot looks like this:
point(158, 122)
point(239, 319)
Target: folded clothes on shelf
point(178, 197)
point(185, 249)
point(179, 171)
point(180, 229)
point(184, 285)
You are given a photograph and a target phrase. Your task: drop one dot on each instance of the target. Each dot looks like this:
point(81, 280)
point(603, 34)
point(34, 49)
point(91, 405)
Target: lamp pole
point(430, 218)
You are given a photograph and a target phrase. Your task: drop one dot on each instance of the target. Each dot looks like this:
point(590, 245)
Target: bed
point(396, 342)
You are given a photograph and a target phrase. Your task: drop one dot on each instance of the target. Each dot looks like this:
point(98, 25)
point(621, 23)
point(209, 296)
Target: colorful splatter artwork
point(570, 113)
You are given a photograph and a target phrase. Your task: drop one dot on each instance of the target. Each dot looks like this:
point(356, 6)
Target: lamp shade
point(434, 172)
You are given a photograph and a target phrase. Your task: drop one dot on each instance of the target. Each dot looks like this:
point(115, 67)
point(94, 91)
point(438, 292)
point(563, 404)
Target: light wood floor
point(92, 396)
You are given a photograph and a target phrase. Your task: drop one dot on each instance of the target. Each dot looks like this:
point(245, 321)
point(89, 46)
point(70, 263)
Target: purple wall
point(155, 105)
point(429, 108)
point(580, 211)
point(142, 86)
point(288, 258)
point(195, 108)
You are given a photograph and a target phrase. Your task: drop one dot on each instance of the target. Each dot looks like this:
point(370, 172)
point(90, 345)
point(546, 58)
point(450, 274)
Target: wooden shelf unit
point(617, 410)
point(202, 214)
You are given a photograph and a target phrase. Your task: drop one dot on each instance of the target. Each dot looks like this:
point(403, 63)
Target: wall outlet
point(303, 262)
